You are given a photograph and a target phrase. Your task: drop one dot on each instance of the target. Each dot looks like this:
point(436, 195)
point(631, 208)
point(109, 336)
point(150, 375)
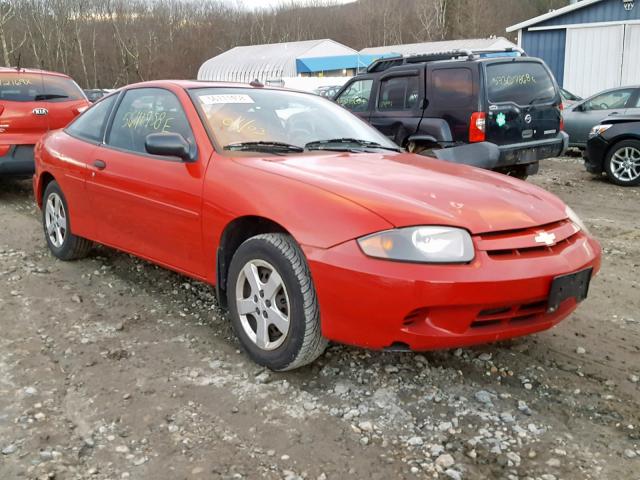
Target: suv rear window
point(521, 82)
point(32, 87)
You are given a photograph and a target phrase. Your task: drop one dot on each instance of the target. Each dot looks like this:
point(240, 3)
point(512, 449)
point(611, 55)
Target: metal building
point(443, 46)
point(283, 60)
point(590, 45)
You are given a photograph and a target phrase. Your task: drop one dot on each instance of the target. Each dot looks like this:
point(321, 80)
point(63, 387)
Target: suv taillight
point(477, 127)
point(561, 108)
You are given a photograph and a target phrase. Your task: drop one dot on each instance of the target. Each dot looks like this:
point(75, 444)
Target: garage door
point(631, 59)
point(593, 59)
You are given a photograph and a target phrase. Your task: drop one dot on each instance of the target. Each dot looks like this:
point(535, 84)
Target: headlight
point(599, 129)
point(420, 244)
point(573, 216)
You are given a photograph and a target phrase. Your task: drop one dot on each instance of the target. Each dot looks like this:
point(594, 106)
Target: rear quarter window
point(91, 124)
point(33, 87)
point(523, 83)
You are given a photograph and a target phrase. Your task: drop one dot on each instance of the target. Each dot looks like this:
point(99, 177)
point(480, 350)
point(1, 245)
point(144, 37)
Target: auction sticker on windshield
point(226, 98)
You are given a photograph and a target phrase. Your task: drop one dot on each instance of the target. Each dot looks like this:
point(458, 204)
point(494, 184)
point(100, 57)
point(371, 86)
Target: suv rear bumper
point(18, 161)
point(533, 151)
point(491, 156)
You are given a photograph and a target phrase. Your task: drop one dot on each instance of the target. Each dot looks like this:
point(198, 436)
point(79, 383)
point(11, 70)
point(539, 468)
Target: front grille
point(510, 314)
point(522, 243)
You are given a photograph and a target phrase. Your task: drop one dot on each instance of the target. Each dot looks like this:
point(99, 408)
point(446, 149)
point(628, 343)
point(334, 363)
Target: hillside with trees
point(108, 43)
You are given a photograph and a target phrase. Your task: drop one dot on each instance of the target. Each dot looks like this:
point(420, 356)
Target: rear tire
point(57, 226)
point(424, 149)
point(517, 171)
point(622, 163)
point(272, 303)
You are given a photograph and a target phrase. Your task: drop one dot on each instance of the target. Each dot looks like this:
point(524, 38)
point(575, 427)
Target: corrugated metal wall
point(583, 75)
point(606, 11)
point(631, 64)
point(548, 45)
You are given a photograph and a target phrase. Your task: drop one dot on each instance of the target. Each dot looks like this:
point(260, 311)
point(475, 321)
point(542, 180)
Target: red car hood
point(407, 189)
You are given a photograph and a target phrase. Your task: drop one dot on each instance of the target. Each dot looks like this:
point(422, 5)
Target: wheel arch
point(233, 235)
point(44, 180)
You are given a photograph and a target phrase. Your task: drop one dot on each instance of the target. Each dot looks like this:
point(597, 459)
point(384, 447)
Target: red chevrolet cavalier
point(311, 225)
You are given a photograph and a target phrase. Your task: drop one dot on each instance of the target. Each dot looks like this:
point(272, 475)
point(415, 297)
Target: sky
point(254, 4)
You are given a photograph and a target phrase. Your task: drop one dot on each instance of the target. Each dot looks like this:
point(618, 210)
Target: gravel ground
point(112, 368)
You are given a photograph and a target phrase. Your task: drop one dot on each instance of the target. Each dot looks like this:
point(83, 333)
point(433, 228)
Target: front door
point(356, 97)
point(146, 204)
point(397, 111)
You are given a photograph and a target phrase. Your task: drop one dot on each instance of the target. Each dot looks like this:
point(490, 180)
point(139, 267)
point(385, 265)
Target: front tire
point(272, 303)
point(622, 163)
point(57, 226)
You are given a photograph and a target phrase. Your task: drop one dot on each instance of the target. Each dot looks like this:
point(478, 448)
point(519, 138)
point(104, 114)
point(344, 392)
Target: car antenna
point(19, 59)
point(256, 83)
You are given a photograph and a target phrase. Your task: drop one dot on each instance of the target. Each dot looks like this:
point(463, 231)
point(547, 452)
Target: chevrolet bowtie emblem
point(546, 238)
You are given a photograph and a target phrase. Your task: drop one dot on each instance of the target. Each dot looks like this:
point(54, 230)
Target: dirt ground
point(112, 368)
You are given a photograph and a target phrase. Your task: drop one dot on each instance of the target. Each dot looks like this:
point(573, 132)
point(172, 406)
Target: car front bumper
point(594, 154)
point(17, 161)
point(382, 304)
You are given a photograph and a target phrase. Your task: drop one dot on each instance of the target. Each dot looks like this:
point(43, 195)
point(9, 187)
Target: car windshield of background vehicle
point(523, 83)
point(32, 87)
point(242, 115)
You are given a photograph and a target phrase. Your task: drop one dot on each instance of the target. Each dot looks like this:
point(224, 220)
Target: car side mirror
point(168, 144)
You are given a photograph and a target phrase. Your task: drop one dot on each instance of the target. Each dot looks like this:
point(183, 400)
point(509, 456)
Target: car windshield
point(265, 118)
point(523, 83)
point(32, 87)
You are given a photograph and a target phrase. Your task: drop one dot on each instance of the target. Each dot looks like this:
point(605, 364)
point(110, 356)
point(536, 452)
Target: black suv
point(496, 110)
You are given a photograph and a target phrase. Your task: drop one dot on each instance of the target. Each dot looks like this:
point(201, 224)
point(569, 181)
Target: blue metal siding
point(605, 11)
point(335, 62)
point(548, 45)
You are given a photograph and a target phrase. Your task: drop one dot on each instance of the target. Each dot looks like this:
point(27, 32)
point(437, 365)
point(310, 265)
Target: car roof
point(32, 70)
point(415, 61)
point(189, 84)
point(608, 90)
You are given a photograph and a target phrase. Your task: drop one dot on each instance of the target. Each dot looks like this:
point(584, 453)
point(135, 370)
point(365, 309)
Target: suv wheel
point(272, 302)
point(622, 163)
point(517, 171)
point(57, 226)
point(424, 149)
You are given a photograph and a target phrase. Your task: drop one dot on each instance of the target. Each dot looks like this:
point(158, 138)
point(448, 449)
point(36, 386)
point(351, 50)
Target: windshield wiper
point(268, 147)
point(49, 96)
point(346, 144)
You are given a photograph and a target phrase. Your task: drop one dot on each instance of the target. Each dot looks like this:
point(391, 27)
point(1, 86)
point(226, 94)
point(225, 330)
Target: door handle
point(100, 164)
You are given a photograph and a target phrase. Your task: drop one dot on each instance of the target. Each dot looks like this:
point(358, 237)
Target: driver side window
point(609, 100)
point(144, 111)
point(356, 97)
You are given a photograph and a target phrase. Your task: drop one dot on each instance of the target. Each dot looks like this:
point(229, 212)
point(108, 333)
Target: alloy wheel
point(625, 164)
point(55, 220)
point(263, 304)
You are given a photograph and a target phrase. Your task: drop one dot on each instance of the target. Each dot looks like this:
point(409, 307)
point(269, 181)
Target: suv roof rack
point(382, 64)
